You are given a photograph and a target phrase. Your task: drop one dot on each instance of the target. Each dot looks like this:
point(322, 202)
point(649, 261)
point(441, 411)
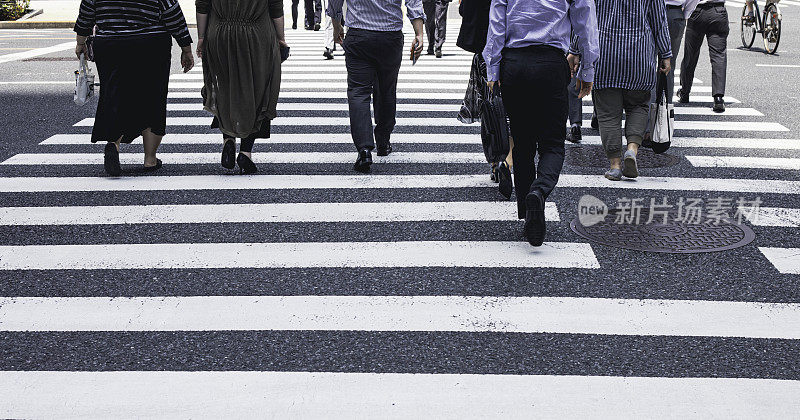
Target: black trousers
point(373, 61)
point(295, 3)
point(313, 12)
point(710, 22)
point(534, 85)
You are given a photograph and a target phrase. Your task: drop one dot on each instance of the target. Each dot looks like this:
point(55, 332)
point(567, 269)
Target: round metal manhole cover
point(595, 157)
point(672, 237)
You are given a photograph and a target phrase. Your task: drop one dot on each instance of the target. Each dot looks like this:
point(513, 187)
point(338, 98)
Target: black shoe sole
point(535, 226)
point(364, 168)
point(505, 186)
point(111, 160)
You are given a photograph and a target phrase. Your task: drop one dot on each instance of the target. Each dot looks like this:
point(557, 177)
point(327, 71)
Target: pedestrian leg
point(430, 23)
point(636, 105)
point(441, 25)
point(677, 26)
point(694, 40)
point(309, 13)
point(317, 13)
point(717, 50)
point(385, 92)
point(608, 105)
point(361, 77)
point(151, 142)
point(516, 96)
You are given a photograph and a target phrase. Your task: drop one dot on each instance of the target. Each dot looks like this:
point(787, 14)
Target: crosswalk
point(311, 291)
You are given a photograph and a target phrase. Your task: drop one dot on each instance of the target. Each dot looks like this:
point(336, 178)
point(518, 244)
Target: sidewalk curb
point(36, 25)
point(45, 25)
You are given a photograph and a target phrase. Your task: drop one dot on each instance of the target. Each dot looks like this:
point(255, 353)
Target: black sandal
point(153, 168)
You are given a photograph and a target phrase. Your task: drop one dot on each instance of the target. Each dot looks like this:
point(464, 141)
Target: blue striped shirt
point(375, 15)
point(631, 33)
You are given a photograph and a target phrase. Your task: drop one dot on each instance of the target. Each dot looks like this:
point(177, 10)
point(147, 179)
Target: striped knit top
point(129, 18)
point(633, 34)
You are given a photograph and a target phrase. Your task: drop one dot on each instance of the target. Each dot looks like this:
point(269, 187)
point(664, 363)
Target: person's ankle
point(150, 161)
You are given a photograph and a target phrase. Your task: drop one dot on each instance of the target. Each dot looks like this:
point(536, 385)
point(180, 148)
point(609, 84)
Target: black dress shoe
point(384, 151)
point(246, 166)
point(535, 226)
point(503, 177)
point(594, 124)
point(364, 161)
point(111, 160)
point(683, 98)
point(229, 154)
point(294, 26)
point(430, 51)
point(575, 135)
point(438, 53)
point(719, 104)
point(328, 54)
point(316, 27)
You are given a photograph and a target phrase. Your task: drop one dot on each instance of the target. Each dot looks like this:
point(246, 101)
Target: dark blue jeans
point(534, 82)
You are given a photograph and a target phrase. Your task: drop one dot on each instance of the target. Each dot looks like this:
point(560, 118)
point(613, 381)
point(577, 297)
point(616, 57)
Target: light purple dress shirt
point(522, 23)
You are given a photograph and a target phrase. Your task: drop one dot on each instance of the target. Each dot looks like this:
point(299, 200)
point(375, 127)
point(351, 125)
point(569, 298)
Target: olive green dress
point(241, 64)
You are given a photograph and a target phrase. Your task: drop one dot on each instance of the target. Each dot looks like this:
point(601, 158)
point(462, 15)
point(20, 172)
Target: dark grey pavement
point(37, 104)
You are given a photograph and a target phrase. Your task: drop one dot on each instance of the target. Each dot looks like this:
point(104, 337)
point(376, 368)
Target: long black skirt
point(134, 79)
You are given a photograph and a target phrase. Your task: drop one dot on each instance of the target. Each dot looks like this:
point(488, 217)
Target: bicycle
point(768, 25)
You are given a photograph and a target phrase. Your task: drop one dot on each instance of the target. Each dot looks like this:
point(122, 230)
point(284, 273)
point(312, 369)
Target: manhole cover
point(595, 157)
point(672, 237)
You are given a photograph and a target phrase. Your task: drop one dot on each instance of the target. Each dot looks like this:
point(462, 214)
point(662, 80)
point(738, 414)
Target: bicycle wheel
point(748, 29)
point(772, 28)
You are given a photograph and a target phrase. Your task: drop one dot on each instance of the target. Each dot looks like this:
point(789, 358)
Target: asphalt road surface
point(310, 290)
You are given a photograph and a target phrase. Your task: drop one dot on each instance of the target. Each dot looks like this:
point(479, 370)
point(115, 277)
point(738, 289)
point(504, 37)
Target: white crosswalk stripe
point(310, 290)
point(297, 255)
point(405, 313)
point(260, 213)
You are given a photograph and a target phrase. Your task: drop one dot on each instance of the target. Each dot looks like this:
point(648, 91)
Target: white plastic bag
point(662, 118)
point(84, 82)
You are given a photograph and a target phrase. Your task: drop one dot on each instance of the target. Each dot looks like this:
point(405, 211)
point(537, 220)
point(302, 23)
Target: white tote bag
point(662, 118)
point(84, 82)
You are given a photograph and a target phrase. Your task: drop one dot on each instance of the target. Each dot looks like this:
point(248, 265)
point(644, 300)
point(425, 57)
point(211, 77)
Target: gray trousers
point(575, 103)
point(711, 23)
point(435, 22)
point(609, 103)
